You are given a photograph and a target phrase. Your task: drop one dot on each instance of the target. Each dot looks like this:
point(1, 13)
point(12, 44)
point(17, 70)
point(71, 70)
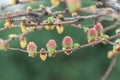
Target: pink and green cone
point(92, 35)
point(51, 46)
point(32, 49)
point(99, 29)
point(67, 43)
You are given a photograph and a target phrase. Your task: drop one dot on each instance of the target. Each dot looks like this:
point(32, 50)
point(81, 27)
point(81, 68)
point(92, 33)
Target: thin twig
point(15, 26)
point(112, 43)
point(68, 21)
point(111, 27)
point(23, 34)
point(110, 68)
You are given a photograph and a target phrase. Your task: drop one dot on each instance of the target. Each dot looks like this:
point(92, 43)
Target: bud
point(60, 29)
point(23, 17)
point(8, 13)
point(49, 27)
point(92, 35)
point(43, 55)
point(17, 10)
point(93, 8)
point(6, 46)
point(76, 45)
point(67, 43)
point(55, 3)
point(92, 32)
point(110, 54)
point(41, 7)
point(15, 2)
point(114, 16)
point(8, 23)
point(105, 39)
point(32, 0)
point(12, 36)
point(108, 11)
point(74, 14)
point(3, 45)
point(51, 46)
point(86, 29)
point(99, 29)
point(50, 19)
point(73, 5)
point(32, 49)
point(23, 27)
point(23, 42)
point(62, 0)
point(29, 8)
point(117, 31)
point(32, 28)
point(116, 48)
point(60, 16)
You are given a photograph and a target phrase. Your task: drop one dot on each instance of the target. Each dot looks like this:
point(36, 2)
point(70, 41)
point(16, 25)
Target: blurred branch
point(45, 12)
point(23, 34)
point(15, 26)
point(18, 2)
point(110, 68)
point(116, 24)
point(57, 22)
point(110, 3)
point(112, 43)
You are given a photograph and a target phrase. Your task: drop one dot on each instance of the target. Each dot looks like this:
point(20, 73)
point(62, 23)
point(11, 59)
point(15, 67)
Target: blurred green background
point(85, 64)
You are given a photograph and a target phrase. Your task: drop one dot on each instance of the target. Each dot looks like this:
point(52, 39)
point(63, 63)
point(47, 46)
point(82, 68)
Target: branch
point(15, 26)
point(110, 68)
point(72, 49)
point(116, 24)
point(66, 21)
point(111, 4)
point(18, 2)
point(23, 34)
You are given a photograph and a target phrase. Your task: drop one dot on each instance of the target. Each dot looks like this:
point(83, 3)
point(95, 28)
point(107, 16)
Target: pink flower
point(92, 31)
point(51, 44)
point(98, 27)
point(67, 40)
point(67, 43)
point(32, 49)
point(31, 46)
